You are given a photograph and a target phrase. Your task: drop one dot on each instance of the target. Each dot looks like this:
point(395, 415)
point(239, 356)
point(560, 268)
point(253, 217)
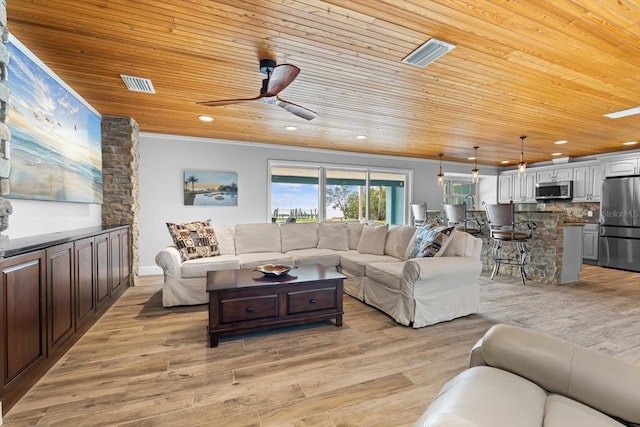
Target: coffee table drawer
point(248, 308)
point(311, 300)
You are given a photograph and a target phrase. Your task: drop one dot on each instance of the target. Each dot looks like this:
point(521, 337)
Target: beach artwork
point(202, 188)
point(56, 151)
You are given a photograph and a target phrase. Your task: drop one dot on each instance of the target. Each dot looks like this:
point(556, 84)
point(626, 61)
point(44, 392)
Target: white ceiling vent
point(428, 52)
point(138, 84)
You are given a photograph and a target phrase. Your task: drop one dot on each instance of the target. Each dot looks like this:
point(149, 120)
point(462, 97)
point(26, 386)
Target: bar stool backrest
point(456, 213)
point(501, 217)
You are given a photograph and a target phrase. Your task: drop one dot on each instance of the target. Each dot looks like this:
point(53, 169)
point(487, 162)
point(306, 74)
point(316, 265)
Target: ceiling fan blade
point(280, 78)
point(228, 101)
point(296, 109)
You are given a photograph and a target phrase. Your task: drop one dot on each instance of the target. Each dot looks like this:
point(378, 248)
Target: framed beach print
point(210, 188)
point(56, 140)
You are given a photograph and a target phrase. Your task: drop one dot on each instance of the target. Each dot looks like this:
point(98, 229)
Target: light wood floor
point(143, 365)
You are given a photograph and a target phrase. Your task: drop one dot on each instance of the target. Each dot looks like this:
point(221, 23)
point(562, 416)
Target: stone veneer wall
point(545, 247)
point(120, 177)
point(5, 95)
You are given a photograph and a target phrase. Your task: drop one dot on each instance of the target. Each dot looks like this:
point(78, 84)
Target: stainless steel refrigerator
point(619, 243)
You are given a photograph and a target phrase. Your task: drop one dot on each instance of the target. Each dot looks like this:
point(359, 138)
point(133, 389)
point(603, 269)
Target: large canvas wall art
point(208, 188)
point(56, 151)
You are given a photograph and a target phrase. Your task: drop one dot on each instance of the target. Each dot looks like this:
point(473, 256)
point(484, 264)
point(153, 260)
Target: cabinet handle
point(312, 301)
point(250, 309)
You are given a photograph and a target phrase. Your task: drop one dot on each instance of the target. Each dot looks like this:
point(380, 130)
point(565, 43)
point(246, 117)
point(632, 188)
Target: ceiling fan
point(278, 78)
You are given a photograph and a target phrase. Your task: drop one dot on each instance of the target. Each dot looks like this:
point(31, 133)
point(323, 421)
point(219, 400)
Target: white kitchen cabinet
point(554, 175)
point(587, 183)
point(590, 242)
point(505, 188)
point(622, 167)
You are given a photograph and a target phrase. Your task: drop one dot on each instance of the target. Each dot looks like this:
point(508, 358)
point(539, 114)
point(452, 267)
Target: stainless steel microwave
point(560, 190)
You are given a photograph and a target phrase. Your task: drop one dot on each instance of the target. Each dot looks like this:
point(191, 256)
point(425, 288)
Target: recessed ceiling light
point(561, 142)
point(206, 118)
point(556, 154)
point(361, 137)
point(623, 113)
point(471, 158)
point(630, 143)
point(504, 162)
point(291, 128)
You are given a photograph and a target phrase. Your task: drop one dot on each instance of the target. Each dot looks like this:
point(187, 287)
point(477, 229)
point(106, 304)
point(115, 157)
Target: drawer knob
point(312, 301)
point(250, 309)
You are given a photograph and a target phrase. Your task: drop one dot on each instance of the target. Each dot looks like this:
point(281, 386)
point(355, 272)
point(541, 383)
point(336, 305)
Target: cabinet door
point(124, 257)
point(596, 183)
point(544, 176)
point(115, 259)
point(60, 294)
point(22, 310)
point(103, 291)
point(85, 280)
point(621, 167)
point(528, 188)
point(563, 174)
point(590, 245)
point(581, 183)
point(504, 188)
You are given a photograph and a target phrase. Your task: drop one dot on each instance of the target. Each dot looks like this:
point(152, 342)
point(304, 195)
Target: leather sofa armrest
point(603, 382)
point(475, 356)
point(169, 260)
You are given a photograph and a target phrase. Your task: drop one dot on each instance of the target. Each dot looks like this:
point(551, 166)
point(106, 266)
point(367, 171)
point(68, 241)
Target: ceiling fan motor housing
point(267, 66)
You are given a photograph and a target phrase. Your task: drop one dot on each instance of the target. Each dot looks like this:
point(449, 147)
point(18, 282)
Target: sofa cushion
point(224, 236)
point(325, 257)
point(457, 244)
point(252, 238)
point(254, 259)
point(299, 235)
point(355, 262)
point(333, 235)
point(398, 239)
point(560, 411)
point(199, 267)
point(388, 274)
point(354, 232)
point(430, 240)
point(489, 397)
point(373, 239)
point(194, 239)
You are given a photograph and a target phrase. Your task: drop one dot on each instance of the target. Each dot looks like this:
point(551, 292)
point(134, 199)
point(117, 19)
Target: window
point(312, 192)
point(459, 191)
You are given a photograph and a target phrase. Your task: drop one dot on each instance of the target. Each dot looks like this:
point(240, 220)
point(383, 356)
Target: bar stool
point(504, 228)
point(419, 211)
point(457, 216)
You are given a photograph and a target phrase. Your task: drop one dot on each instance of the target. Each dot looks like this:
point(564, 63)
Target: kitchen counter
point(555, 250)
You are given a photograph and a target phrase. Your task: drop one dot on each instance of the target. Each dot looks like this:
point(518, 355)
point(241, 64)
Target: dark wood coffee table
point(245, 300)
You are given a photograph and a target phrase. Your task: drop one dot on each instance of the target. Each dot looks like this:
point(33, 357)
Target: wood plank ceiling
point(545, 69)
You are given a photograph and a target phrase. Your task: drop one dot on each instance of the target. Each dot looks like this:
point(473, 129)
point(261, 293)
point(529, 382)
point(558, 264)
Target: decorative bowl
point(274, 269)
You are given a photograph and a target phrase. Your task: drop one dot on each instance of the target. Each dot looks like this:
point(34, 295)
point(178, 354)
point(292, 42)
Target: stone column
point(120, 180)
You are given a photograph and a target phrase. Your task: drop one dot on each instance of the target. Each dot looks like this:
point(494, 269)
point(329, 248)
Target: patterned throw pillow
point(429, 240)
point(194, 239)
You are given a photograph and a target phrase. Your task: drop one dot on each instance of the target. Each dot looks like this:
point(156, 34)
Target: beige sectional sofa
point(374, 258)
point(518, 377)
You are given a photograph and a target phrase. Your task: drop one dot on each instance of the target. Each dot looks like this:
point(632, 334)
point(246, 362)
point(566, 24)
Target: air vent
point(138, 84)
point(427, 53)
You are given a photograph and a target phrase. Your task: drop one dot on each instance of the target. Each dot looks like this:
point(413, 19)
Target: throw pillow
point(354, 231)
point(373, 239)
point(333, 235)
point(430, 239)
point(194, 239)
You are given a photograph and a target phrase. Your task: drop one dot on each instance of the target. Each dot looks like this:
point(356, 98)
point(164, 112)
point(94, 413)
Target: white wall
point(33, 217)
point(164, 158)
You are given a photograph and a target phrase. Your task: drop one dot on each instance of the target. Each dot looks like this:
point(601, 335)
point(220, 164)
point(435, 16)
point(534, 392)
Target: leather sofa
point(518, 377)
point(374, 258)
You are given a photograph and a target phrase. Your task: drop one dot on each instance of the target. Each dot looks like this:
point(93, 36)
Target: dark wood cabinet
point(103, 274)
point(52, 289)
point(22, 310)
point(85, 277)
point(60, 294)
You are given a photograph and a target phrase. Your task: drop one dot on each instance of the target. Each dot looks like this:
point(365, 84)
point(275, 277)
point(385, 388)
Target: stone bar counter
point(555, 250)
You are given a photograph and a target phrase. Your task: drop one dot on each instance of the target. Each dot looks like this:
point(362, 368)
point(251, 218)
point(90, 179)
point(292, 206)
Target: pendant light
point(522, 166)
point(440, 174)
point(475, 173)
